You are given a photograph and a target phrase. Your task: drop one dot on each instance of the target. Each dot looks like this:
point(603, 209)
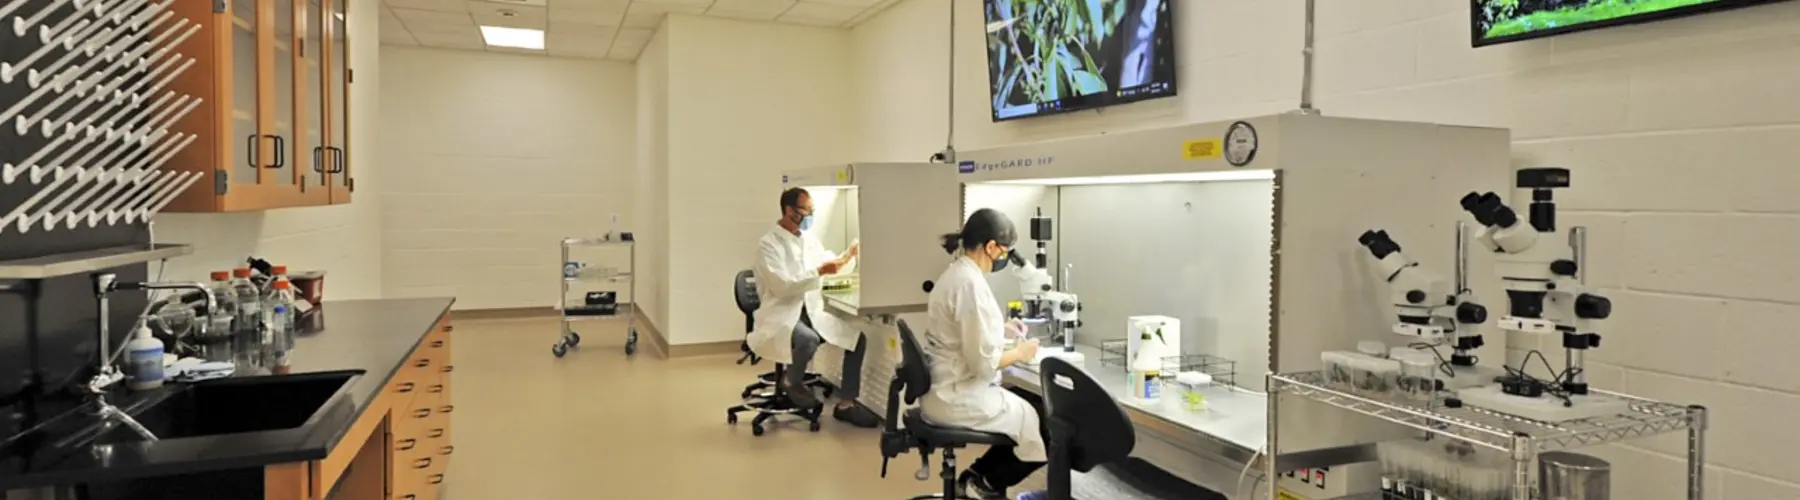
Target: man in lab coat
point(792, 323)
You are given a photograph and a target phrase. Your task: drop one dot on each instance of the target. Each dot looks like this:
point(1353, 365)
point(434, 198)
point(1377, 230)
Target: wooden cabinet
point(272, 128)
point(399, 449)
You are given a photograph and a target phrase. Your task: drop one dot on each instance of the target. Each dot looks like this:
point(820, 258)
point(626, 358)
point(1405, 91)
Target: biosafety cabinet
point(900, 212)
point(1244, 230)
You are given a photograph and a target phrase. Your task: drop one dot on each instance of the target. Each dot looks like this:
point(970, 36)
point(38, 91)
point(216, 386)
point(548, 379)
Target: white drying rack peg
point(106, 203)
point(98, 84)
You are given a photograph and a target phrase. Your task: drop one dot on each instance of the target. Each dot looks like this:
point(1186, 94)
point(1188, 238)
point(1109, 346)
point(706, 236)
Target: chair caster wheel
point(814, 427)
point(559, 350)
point(630, 348)
point(746, 394)
point(756, 430)
point(731, 418)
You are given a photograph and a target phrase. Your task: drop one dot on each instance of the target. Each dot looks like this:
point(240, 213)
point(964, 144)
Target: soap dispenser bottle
point(144, 360)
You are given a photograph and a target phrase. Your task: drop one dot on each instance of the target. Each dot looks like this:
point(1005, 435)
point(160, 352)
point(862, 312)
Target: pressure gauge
point(1240, 144)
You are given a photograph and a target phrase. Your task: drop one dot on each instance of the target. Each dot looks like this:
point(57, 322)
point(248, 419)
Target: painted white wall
point(747, 100)
point(652, 196)
point(492, 159)
point(1681, 135)
point(344, 240)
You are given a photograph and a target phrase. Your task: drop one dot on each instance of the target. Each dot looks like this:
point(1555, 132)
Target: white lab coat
point(787, 278)
point(963, 345)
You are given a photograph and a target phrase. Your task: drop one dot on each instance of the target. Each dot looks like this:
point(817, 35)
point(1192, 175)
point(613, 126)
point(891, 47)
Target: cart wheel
point(573, 340)
point(756, 430)
point(814, 427)
point(631, 335)
point(826, 390)
point(731, 418)
point(631, 348)
point(559, 350)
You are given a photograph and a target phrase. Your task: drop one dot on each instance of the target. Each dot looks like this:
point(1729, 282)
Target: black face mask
point(1001, 261)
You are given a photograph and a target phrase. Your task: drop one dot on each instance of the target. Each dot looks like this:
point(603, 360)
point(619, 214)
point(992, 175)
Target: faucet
point(108, 374)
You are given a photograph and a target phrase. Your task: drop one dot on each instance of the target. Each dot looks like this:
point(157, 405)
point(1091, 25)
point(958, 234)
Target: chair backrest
point(1100, 431)
point(912, 372)
point(745, 288)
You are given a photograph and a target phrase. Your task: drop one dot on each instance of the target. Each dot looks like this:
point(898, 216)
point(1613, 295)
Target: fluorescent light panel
point(516, 38)
point(1213, 176)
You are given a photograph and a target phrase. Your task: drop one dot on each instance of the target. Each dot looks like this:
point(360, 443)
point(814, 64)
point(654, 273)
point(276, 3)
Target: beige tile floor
point(597, 424)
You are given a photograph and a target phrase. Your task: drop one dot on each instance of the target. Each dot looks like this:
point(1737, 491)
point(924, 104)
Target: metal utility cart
point(599, 302)
point(1522, 439)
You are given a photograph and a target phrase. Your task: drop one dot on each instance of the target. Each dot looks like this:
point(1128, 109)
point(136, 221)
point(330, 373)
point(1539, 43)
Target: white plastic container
point(1418, 375)
point(1337, 369)
point(1190, 388)
point(144, 361)
point(1372, 376)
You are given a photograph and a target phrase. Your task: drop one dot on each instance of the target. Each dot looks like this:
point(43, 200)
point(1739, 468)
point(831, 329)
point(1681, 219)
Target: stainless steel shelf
point(595, 242)
point(604, 278)
point(52, 266)
point(1499, 431)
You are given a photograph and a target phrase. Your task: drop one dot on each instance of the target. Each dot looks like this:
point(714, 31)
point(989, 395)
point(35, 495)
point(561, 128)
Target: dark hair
point(791, 198)
point(983, 226)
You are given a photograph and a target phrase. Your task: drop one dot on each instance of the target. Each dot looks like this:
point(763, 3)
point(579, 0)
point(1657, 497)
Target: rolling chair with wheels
point(912, 379)
point(1088, 430)
point(765, 397)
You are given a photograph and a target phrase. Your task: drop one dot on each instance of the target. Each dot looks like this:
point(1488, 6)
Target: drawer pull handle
point(406, 387)
point(449, 328)
point(437, 343)
point(437, 388)
point(447, 450)
point(447, 409)
point(423, 363)
point(437, 479)
point(422, 413)
point(421, 463)
point(450, 368)
point(407, 444)
point(410, 497)
point(436, 433)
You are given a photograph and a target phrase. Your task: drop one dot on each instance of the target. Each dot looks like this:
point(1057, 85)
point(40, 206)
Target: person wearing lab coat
point(964, 347)
point(791, 323)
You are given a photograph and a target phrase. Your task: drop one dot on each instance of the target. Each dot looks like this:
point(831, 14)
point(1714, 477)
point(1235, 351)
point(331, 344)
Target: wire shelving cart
point(1521, 439)
point(599, 286)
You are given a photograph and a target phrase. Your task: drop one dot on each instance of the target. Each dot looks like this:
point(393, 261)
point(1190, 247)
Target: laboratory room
point(975, 249)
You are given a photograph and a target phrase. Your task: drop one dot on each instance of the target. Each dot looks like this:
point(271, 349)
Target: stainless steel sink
point(234, 406)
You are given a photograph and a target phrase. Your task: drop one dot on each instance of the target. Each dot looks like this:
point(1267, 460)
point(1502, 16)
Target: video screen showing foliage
point(1048, 56)
point(1506, 20)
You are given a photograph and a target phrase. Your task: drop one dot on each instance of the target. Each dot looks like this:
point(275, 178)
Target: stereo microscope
point(1044, 304)
point(1430, 310)
point(1545, 295)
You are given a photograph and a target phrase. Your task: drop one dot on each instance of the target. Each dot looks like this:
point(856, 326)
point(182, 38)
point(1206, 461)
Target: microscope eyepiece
point(1378, 243)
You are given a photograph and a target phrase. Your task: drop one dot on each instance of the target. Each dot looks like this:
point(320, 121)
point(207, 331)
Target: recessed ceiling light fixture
point(516, 38)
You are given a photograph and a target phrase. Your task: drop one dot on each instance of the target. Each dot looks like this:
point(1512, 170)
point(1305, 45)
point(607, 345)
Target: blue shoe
point(1035, 495)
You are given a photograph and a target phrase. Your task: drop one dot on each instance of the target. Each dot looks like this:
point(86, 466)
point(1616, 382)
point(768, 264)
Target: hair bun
point(952, 242)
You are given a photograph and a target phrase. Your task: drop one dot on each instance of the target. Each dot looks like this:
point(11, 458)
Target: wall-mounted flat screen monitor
point(1047, 57)
point(1501, 21)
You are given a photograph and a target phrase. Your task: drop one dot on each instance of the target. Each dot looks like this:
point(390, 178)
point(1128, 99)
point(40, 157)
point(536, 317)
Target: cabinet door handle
point(319, 159)
point(406, 387)
point(250, 145)
point(449, 328)
point(423, 363)
point(422, 413)
point(421, 463)
point(338, 165)
point(280, 151)
point(437, 479)
point(436, 344)
point(447, 450)
point(447, 409)
point(407, 444)
point(435, 433)
point(437, 389)
point(450, 368)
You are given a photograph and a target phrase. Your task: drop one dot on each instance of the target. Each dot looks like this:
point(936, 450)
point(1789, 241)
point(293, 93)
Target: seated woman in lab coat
point(965, 350)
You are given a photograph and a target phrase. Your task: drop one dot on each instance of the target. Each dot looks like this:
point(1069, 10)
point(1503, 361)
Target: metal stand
point(574, 272)
point(1521, 439)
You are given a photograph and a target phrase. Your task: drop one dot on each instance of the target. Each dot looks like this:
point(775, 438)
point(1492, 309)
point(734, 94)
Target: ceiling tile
point(511, 16)
point(819, 14)
point(393, 30)
point(596, 12)
point(762, 10)
point(749, 15)
point(702, 4)
point(624, 52)
point(860, 4)
point(516, 3)
point(647, 15)
point(421, 22)
point(638, 37)
point(472, 40)
point(437, 5)
point(579, 40)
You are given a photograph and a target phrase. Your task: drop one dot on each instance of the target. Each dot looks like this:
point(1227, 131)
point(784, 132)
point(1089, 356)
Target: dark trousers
point(806, 344)
point(999, 466)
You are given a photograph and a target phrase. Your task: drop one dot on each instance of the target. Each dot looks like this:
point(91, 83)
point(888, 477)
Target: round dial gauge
point(1240, 144)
